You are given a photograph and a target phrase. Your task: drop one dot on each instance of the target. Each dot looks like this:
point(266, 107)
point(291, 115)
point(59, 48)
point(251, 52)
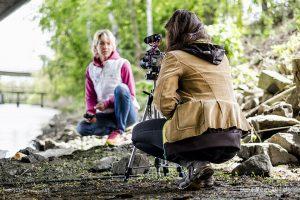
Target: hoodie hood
point(114, 56)
point(209, 52)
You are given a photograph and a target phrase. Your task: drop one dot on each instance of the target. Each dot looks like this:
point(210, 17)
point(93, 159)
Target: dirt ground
point(68, 177)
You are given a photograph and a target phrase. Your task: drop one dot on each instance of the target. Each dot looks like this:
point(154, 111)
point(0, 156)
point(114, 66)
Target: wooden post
point(1, 98)
point(18, 99)
point(42, 99)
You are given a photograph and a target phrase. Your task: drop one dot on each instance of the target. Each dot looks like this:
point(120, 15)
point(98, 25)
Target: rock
point(50, 144)
point(3, 153)
point(28, 151)
point(56, 152)
point(38, 144)
point(294, 129)
point(276, 153)
point(19, 156)
point(272, 81)
point(293, 100)
point(240, 98)
point(140, 160)
point(266, 96)
point(289, 141)
point(33, 158)
point(87, 142)
point(262, 108)
point(262, 122)
point(250, 102)
point(259, 165)
point(103, 165)
point(281, 109)
point(68, 135)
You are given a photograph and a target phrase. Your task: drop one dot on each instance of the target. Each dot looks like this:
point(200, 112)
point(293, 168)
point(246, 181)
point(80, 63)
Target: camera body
point(153, 57)
point(88, 116)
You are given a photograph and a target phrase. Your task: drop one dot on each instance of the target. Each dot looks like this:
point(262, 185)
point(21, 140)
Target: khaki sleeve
point(165, 96)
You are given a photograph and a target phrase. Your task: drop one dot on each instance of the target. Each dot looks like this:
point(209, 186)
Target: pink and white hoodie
point(103, 78)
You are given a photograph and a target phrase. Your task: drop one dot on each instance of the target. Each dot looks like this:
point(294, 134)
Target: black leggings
point(147, 136)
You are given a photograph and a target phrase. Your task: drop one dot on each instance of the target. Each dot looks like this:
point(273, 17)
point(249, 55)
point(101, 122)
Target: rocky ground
point(74, 177)
point(68, 166)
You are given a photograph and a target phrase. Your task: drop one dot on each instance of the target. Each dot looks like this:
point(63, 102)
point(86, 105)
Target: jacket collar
point(114, 56)
point(207, 51)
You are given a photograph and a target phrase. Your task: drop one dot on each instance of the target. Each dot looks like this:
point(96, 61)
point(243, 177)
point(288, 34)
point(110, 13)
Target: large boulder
point(293, 100)
point(259, 165)
point(104, 164)
point(250, 102)
point(272, 81)
point(281, 109)
point(271, 121)
point(276, 153)
point(56, 152)
point(140, 160)
point(33, 158)
point(289, 141)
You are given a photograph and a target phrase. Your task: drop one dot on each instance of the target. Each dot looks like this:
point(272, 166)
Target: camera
point(88, 116)
point(152, 58)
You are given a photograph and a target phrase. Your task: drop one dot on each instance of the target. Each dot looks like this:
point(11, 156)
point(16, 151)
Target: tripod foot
point(127, 174)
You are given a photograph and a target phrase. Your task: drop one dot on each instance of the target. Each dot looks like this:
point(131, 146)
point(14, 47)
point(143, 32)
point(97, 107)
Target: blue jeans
point(124, 115)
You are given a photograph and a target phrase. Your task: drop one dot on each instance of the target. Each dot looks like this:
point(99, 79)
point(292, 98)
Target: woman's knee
point(121, 90)
point(83, 129)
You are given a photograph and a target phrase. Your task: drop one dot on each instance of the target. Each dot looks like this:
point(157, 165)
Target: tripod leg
point(179, 170)
point(129, 166)
point(165, 168)
point(157, 166)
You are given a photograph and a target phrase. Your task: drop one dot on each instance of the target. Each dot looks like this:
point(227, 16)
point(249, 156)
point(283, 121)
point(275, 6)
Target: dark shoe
point(207, 183)
point(197, 173)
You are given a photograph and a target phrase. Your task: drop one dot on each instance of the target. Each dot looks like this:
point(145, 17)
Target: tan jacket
point(195, 95)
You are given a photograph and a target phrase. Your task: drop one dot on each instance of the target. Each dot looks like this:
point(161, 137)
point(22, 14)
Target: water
point(20, 125)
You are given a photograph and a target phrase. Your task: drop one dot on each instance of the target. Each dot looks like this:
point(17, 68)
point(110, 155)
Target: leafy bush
point(228, 35)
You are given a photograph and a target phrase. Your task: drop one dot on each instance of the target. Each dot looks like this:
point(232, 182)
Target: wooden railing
point(18, 95)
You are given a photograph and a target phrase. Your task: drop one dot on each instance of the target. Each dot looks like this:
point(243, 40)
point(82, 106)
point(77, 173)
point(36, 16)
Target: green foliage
point(141, 86)
point(286, 51)
point(244, 75)
point(73, 23)
point(228, 35)
point(274, 13)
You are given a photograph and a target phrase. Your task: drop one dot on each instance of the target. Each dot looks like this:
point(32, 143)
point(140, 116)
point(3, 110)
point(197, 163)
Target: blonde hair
point(97, 37)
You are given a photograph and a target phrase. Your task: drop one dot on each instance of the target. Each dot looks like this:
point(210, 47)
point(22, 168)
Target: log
point(271, 100)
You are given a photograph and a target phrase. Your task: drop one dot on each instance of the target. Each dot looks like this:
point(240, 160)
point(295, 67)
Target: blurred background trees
point(238, 25)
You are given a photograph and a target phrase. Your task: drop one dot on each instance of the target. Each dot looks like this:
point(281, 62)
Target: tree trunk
point(112, 20)
point(135, 30)
point(149, 18)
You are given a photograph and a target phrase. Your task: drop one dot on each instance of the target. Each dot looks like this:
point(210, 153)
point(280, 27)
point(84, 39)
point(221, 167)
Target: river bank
point(20, 125)
point(75, 176)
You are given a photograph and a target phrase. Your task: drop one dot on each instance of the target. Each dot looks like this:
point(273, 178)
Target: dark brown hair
point(184, 27)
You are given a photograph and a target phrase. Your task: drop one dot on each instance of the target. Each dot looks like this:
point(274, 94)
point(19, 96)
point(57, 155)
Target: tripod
point(150, 112)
